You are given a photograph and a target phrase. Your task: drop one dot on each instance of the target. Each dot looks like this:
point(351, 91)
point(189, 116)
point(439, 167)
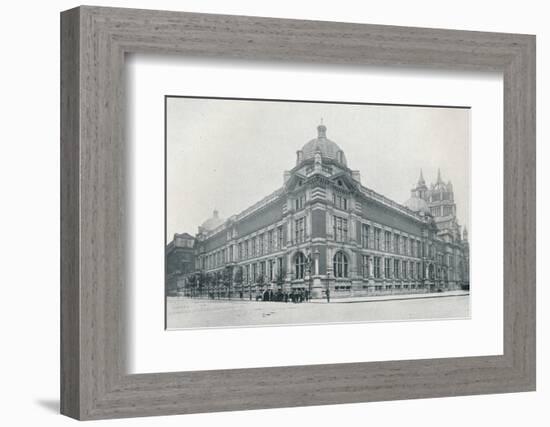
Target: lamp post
point(327, 288)
point(308, 276)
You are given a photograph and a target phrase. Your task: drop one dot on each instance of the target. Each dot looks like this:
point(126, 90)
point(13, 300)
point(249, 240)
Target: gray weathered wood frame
point(94, 41)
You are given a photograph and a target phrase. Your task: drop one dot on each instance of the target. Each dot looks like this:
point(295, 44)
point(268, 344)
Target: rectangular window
point(404, 269)
point(396, 243)
point(411, 270)
point(411, 250)
point(262, 269)
point(387, 241)
point(364, 235)
point(271, 267)
point(405, 246)
point(300, 228)
point(280, 237)
point(418, 271)
point(270, 241)
point(396, 269)
point(377, 233)
point(261, 244)
point(253, 249)
point(340, 229)
point(387, 263)
point(280, 266)
point(377, 267)
point(299, 202)
point(365, 265)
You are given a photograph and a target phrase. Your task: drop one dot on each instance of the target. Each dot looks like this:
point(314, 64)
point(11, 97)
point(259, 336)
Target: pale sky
point(229, 154)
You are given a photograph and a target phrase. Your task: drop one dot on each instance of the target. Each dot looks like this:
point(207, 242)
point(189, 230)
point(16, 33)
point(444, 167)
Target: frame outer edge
point(86, 345)
point(70, 396)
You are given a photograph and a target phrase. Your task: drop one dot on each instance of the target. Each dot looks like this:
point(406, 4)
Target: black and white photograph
point(284, 212)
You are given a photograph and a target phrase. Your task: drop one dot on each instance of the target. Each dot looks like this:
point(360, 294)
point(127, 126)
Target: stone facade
point(180, 262)
point(324, 231)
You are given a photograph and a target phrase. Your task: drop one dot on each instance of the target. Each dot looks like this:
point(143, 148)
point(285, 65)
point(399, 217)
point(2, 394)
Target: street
point(183, 312)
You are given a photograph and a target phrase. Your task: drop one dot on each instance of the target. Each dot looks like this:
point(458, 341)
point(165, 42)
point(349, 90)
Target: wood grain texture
point(70, 314)
point(94, 269)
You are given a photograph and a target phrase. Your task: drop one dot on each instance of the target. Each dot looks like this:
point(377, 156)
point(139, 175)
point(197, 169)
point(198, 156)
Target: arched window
point(340, 265)
point(300, 265)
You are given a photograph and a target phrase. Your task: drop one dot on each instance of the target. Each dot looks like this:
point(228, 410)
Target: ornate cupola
point(321, 130)
point(325, 147)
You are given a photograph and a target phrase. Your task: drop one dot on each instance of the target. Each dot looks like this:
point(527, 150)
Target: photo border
point(94, 182)
point(298, 101)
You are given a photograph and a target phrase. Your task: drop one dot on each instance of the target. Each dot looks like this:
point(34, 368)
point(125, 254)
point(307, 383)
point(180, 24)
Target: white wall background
point(29, 213)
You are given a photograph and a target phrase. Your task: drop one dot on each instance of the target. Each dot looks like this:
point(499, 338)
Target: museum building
point(324, 231)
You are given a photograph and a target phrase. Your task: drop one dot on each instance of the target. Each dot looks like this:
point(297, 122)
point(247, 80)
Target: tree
point(238, 279)
point(219, 281)
point(210, 280)
point(191, 284)
point(227, 277)
point(201, 278)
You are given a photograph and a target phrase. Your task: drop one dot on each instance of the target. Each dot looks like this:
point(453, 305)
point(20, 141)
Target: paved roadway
point(185, 312)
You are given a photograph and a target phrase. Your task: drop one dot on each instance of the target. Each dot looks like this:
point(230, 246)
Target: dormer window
point(340, 202)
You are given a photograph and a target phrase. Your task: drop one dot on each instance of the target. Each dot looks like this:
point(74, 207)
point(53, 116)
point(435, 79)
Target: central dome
point(325, 146)
point(213, 222)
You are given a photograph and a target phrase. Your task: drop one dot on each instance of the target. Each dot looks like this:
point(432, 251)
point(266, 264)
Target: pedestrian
point(328, 295)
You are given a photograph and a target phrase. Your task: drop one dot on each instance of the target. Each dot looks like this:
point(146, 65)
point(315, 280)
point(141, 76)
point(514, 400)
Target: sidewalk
point(390, 297)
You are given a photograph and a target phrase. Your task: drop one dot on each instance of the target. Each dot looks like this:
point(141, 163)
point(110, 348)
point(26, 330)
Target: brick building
point(323, 230)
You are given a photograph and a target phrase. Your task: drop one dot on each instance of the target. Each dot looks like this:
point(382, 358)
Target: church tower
point(440, 198)
point(421, 189)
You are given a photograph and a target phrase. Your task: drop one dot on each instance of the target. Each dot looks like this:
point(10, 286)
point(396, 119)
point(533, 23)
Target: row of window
point(445, 195)
point(371, 238)
point(266, 270)
point(299, 202)
point(262, 244)
point(302, 265)
point(339, 201)
point(398, 269)
point(442, 210)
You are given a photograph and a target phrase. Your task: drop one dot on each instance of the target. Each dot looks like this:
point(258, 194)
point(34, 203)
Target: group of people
point(294, 295)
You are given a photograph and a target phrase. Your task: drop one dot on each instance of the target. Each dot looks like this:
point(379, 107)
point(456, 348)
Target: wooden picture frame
point(94, 41)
